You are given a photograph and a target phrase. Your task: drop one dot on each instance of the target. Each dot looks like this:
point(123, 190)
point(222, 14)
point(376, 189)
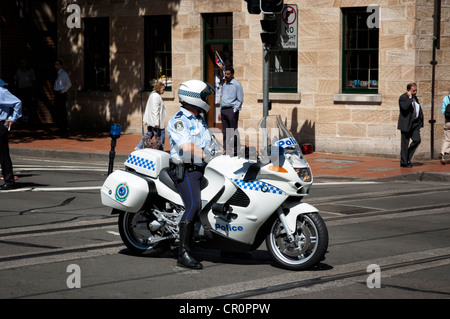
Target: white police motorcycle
point(245, 201)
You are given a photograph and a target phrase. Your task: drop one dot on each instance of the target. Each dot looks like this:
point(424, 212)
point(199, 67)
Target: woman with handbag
point(154, 118)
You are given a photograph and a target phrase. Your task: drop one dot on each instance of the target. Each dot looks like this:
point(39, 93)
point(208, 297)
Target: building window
point(360, 53)
point(283, 57)
point(217, 49)
point(217, 55)
point(158, 51)
point(96, 53)
point(283, 71)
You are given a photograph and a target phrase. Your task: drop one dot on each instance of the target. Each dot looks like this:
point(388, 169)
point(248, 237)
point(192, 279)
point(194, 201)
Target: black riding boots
point(184, 257)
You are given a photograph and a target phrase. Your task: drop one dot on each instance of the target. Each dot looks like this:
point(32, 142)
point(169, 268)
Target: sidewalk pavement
point(46, 143)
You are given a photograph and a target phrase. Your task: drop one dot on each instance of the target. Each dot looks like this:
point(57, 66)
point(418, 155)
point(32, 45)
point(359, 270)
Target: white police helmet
point(195, 93)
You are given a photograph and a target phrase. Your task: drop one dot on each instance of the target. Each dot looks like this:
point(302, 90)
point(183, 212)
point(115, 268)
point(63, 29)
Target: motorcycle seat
point(166, 179)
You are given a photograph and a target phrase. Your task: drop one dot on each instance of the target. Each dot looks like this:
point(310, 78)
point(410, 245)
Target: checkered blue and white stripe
point(257, 186)
point(141, 162)
point(189, 93)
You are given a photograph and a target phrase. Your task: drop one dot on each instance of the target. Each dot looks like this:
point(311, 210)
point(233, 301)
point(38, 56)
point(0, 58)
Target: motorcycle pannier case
point(148, 161)
point(124, 191)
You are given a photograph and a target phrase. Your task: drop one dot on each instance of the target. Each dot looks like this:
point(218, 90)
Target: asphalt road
point(58, 241)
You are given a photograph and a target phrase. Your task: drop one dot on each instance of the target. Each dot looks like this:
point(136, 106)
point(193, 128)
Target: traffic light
point(270, 27)
point(253, 6)
point(272, 6)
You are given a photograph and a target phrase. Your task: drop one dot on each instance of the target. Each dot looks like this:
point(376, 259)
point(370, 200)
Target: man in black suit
point(410, 121)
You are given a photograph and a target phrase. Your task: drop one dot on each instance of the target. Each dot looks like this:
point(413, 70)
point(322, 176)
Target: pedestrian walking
point(155, 116)
point(444, 156)
point(410, 121)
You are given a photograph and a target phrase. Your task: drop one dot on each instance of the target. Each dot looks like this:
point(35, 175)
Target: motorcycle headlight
point(304, 174)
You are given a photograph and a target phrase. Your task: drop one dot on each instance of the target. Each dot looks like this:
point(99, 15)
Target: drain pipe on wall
point(436, 45)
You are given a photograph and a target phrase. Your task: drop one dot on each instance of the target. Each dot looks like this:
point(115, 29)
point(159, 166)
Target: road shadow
point(21, 133)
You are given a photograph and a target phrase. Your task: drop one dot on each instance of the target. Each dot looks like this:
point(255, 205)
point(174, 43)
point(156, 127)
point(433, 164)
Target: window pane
point(219, 27)
point(363, 40)
point(96, 53)
point(360, 53)
point(283, 71)
point(362, 69)
point(217, 55)
point(373, 38)
point(158, 51)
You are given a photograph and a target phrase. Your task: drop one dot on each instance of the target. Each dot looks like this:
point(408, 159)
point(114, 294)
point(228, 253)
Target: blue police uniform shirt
point(184, 128)
point(8, 101)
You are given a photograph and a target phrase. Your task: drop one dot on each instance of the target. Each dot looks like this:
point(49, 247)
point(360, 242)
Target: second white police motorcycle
point(245, 201)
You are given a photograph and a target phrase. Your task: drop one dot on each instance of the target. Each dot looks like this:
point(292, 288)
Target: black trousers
point(5, 159)
point(190, 192)
point(61, 111)
point(407, 149)
point(230, 133)
point(28, 106)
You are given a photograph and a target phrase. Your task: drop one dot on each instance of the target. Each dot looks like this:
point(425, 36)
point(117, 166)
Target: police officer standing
point(188, 137)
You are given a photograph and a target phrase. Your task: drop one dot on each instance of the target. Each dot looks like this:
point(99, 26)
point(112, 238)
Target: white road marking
point(52, 189)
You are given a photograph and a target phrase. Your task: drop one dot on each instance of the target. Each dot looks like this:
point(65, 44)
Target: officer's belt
point(188, 166)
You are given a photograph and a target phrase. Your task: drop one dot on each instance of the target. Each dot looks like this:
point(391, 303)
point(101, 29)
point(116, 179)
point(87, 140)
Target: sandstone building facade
point(337, 86)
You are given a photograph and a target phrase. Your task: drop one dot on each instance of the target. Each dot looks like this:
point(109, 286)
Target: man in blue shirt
point(232, 99)
point(8, 102)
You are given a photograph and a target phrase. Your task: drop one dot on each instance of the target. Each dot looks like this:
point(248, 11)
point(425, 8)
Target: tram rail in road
point(362, 203)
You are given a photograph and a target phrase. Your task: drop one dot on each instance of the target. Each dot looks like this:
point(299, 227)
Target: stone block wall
point(318, 113)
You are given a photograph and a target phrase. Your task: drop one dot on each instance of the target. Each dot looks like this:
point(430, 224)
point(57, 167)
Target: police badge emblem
point(179, 126)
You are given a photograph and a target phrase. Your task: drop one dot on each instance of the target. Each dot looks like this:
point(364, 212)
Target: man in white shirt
point(62, 85)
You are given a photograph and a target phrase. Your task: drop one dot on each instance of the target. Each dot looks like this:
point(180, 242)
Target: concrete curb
point(66, 155)
point(420, 176)
point(120, 158)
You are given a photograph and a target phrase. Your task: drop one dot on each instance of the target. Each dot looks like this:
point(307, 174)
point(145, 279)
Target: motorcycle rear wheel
point(307, 249)
point(136, 234)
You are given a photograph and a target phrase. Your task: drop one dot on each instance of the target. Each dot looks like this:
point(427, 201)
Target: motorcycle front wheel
point(134, 229)
point(308, 247)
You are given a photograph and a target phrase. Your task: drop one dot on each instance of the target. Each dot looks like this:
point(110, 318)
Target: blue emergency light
point(115, 131)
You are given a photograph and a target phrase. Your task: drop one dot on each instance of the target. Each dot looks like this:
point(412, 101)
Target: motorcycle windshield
point(275, 134)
